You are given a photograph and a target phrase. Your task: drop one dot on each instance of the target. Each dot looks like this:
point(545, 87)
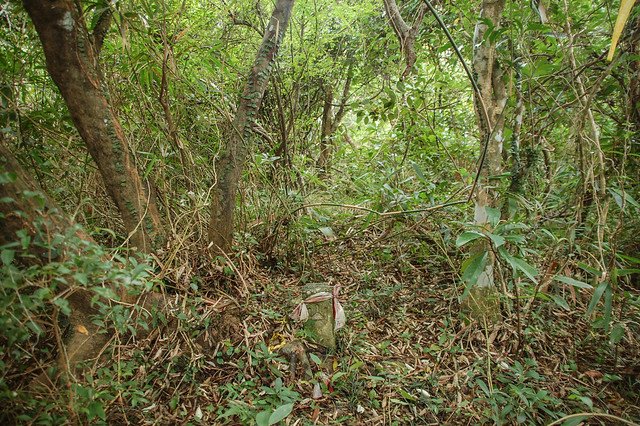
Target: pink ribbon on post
point(301, 313)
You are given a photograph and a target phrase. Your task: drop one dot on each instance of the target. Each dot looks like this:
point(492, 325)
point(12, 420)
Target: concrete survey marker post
point(320, 324)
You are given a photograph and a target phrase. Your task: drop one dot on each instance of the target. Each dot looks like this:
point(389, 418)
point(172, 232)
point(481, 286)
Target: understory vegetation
point(462, 175)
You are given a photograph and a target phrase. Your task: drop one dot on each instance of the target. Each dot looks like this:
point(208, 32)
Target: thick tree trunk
point(25, 207)
point(406, 34)
point(493, 99)
point(23, 204)
point(234, 152)
point(72, 64)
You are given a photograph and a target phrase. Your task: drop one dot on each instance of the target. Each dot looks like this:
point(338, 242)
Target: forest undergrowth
point(406, 355)
point(175, 175)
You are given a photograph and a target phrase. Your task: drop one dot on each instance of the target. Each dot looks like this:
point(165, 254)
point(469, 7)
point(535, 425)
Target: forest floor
point(405, 356)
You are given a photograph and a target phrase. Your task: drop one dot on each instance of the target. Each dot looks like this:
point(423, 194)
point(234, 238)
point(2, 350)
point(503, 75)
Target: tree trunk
point(325, 134)
point(25, 207)
point(331, 122)
point(406, 34)
point(493, 99)
point(73, 66)
point(29, 204)
point(234, 152)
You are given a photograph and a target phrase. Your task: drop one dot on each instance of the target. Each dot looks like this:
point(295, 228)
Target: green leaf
point(483, 386)
point(617, 332)
point(498, 240)
point(473, 267)
point(623, 272)
point(94, 409)
point(63, 305)
point(262, 419)
point(597, 294)
point(519, 264)
point(327, 232)
point(575, 421)
point(280, 413)
point(467, 237)
point(560, 301)
point(105, 292)
point(493, 216)
point(418, 171)
point(608, 307)
point(589, 269)
point(572, 282)
point(315, 358)
point(7, 256)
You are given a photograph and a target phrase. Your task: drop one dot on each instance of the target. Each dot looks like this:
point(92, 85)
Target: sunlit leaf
point(519, 264)
point(572, 282)
point(473, 267)
point(597, 294)
point(280, 413)
point(467, 237)
point(623, 16)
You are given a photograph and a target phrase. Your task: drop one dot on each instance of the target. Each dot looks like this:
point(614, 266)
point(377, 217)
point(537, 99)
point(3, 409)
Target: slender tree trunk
point(325, 133)
point(634, 87)
point(235, 150)
point(406, 34)
point(493, 98)
point(73, 66)
point(331, 122)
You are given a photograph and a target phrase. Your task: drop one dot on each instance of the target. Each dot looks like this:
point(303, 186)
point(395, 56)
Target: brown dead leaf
point(594, 374)
point(82, 329)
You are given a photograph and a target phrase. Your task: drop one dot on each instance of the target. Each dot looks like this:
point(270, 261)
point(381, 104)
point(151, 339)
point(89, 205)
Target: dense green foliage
point(391, 216)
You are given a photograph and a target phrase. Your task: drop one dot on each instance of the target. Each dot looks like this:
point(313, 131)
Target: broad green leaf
point(623, 272)
point(63, 305)
point(473, 267)
point(262, 418)
point(483, 386)
point(327, 232)
point(623, 16)
point(467, 237)
point(572, 282)
point(597, 294)
point(105, 292)
point(95, 409)
point(280, 413)
point(418, 171)
point(575, 421)
point(315, 358)
point(498, 240)
point(493, 216)
point(622, 198)
point(617, 331)
point(589, 269)
point(7, 256)
point(629, 258)
point(519, 264)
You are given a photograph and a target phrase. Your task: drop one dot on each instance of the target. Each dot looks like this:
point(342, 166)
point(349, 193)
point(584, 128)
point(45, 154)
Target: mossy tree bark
point(73, 65)
point(492, 100)
point(236, 148)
